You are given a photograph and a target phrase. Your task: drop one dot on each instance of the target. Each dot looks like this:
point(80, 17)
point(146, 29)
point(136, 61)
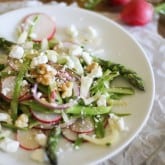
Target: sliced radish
point(43, 28)
point(27, 139)
point(49, 118)
point(83, 125)
point(7, 88)
point(69, 135)
point(44, 126)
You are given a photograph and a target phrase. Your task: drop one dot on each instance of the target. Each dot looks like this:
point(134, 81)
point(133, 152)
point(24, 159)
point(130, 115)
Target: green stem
point(90, 111)
point(52, 143)
point(17, 90)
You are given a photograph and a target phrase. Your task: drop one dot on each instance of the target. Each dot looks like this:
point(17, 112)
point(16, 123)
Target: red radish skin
point(69, 135)
point(45, 28)
point(82, 126)
point(26, 96)
point(44, 126)
point(46, 118)
point(137, 12)
point(119, 2)
point(72, 136)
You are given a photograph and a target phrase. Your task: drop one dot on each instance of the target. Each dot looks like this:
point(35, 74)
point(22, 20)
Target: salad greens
point(62, 89)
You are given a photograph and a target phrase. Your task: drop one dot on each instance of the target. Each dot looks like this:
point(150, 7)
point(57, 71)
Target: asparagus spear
point(52, 142)
point(128, 74)
point(5, 45)
point(17, 89)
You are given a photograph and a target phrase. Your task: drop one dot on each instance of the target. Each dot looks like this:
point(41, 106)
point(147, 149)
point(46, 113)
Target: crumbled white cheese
point(9, 145)
point(38, 155)
point(68, 91)
point(5, 91)
point(5, 133)
point(87, 58)
point(72, 31)
point(77, 65)
point(16, 52)
point(44, 44)
point(90, 100)
point(70, 62)
point(33, 35)
point(52, 55)
point(102, 101)
point(41, 59)
point(75, 50)
point(8, 86)
point(96, 72)
point(86, 83)
point(120, 122)
point(24, 83)
point(49, 68)
point(4, 117)
point(41, 139)
point(22, 38)
point(22, 121)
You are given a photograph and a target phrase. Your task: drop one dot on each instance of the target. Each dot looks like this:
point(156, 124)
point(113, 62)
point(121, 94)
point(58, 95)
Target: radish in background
point(137, 12)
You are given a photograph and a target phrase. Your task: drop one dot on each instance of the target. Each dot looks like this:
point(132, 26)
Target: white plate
point(120, 47)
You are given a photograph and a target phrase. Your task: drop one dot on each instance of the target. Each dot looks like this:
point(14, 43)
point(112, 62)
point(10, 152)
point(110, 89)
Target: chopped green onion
point(91, 111)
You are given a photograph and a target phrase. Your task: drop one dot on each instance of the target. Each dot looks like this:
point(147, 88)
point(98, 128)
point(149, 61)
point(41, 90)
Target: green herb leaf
point(53, 139)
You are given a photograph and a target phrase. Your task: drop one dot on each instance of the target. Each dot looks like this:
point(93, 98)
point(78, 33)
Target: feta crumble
point(120, 122)
point(44, 44)
point(16, 52)
point(41, 59)
point(96, 72)
point(9, 145)
point(102, 101)
point(86, 83)
point(52, 55)
point(22, 121)
point(87, 58)
point(4, 117)
point(41, 139)
point(75, 50)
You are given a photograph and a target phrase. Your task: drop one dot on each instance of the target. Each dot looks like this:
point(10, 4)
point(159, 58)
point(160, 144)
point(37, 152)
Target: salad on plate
point(53, 88)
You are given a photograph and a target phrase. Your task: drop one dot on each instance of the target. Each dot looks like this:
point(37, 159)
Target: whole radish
point(137, 12)
point(119, 2)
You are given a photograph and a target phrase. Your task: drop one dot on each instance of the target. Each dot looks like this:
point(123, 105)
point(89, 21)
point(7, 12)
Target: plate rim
point(125, 144)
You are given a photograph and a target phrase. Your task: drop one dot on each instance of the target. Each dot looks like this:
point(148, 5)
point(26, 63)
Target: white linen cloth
point(153, 134)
